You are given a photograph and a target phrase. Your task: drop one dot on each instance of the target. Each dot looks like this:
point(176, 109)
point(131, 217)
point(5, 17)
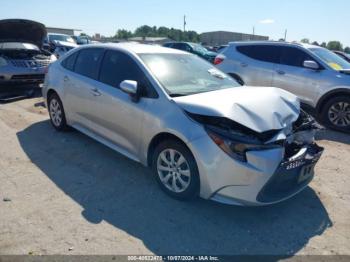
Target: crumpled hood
point(258, 108)
point(64, 43)
point(24, 31)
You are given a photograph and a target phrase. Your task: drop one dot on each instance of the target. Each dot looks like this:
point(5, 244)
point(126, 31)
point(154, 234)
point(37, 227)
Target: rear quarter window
point(264, 53)
point(69, 62)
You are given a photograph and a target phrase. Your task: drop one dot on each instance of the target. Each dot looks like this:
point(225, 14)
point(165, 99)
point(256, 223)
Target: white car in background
point(59, 44)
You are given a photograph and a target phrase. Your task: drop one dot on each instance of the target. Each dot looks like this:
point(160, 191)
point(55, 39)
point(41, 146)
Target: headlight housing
point(237, 147)
point(3, 62)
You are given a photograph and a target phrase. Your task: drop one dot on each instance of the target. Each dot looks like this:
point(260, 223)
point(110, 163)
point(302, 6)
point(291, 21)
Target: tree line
point(193, 36)
point(148, 31)
point(331, 45)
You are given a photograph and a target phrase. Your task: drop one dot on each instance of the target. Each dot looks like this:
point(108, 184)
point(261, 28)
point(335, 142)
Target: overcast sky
point(320, 20)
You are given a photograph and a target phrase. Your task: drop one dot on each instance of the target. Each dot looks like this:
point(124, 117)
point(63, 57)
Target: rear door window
point(293, 56)
point(88, 62)
point(265, 53)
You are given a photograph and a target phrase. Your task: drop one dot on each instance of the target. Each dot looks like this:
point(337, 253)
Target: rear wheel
point(176, 170)
point(56, 112)
point(336, 113)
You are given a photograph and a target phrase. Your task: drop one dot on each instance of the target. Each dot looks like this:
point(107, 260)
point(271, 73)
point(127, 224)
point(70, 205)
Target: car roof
point(277, 43)
point(137, 48)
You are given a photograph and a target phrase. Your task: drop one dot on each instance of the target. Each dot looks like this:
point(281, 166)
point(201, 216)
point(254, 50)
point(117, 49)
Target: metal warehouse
point(224, 37)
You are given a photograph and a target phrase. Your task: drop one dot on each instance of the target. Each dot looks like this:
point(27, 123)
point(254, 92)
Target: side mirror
point(311, 65)
point(130, 87)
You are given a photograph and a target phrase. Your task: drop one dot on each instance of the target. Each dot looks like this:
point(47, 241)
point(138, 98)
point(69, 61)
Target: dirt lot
point(63, 193)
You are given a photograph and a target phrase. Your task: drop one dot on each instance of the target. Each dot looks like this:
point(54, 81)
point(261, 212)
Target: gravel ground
point(63, 193)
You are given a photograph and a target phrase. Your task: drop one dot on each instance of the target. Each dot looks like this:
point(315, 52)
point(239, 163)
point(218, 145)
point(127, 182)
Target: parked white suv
point(318, 76)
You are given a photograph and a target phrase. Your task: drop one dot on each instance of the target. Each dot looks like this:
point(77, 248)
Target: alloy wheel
point(339, 114)
point(55, 112)
point(173, 170)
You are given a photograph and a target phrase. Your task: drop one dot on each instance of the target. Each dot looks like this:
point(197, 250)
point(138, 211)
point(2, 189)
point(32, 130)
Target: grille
point(30, 63)
point(32, 78)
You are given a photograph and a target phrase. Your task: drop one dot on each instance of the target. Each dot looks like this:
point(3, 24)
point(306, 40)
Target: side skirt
point(105, 142)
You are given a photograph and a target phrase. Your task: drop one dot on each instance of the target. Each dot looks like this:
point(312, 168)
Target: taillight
point(218, 60)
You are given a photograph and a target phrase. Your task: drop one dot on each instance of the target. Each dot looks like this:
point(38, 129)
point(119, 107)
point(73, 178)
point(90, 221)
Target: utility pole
point(253, 30)
point(285, 35)
point(185, 23)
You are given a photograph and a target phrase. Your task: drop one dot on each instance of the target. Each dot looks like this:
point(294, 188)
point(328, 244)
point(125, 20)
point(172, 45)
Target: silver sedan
point(197, 128)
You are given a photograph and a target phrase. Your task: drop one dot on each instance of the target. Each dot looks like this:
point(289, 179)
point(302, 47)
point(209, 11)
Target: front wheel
point(176, 170)
point(336, 113)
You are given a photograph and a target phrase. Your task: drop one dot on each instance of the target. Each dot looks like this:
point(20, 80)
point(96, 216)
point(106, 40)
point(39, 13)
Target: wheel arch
point(50, 92)
point(159, 138)
point(331, 94)
point(237, 78)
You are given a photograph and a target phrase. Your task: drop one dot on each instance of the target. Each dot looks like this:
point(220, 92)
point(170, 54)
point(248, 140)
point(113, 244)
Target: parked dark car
point(193, 48)
point(23, 61)
point(343, 55)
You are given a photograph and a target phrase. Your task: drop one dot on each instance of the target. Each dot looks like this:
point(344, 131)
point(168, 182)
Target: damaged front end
point(236, 139)
point(301, 153)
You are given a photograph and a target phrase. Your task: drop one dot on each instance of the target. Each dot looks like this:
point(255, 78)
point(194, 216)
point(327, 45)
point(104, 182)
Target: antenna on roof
point(285, 35)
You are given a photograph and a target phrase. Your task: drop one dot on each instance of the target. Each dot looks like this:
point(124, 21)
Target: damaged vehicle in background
point(81, 40)
point(23, 62)
point(59, 44)
point(197, 128)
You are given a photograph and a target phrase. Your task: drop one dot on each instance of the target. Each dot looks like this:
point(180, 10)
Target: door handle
point(66, 79)
point(280, 72)
point(244, 64)
point(95, 92)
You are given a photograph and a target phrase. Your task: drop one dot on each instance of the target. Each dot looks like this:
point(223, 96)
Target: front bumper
point(266, 178)
point(291, 176)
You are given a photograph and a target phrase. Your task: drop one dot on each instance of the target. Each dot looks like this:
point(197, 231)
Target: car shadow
point(330, 135)
point(121, 192)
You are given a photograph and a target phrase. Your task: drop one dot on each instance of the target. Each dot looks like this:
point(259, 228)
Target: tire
point(335, 114)
point(168, 172)
point(56, 112)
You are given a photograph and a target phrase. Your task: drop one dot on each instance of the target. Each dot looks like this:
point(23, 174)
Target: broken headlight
point(236, 147)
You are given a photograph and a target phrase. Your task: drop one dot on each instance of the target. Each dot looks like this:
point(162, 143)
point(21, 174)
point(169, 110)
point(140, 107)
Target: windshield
point(64, 38)
point(199, 48)
point(333, 60)
point(185, 74)
point(18, 45)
